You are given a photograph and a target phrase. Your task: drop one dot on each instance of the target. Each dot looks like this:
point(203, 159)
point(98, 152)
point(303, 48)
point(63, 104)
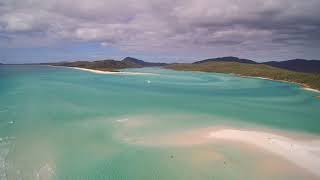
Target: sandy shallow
point(302, 151)
point(305, 154)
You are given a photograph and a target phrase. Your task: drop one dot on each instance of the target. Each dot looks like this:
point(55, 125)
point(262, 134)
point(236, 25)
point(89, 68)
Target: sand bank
point(94, 71)
point(305, 154)
point(108, 72)
point(256, 77)
point(111, 72)
point(300, 149)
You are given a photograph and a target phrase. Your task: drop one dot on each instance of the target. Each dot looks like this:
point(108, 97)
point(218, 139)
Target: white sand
point(305, 154)
point(94, 71)
point(256, 77)
point(313, 90)
point(110, 72)
point(303, 85)
point(301, 150)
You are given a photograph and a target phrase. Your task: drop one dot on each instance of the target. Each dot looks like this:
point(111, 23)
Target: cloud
point(205, 27)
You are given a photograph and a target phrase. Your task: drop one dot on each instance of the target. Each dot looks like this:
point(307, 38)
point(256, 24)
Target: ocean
point(62, 123)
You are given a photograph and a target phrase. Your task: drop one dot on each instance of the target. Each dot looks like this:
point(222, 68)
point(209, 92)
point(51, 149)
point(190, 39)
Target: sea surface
point(62, 123)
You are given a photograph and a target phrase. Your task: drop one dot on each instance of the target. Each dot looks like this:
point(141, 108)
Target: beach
point(310, 89)
point(108, 72)
point(304, 86)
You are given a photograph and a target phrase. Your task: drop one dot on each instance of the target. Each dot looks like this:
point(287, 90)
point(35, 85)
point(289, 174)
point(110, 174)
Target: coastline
point(105, 72)
point(91, 70)
point(306, 80)
point(310, 89)
point(303, 86)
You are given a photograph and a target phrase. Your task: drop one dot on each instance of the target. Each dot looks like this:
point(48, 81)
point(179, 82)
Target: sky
point(34, 31)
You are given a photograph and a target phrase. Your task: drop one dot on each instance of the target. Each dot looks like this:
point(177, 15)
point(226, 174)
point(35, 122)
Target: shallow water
point(60, 123)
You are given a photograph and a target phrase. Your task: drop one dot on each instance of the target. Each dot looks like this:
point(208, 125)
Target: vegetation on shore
point(253, 70)
point(109, 65)
point(103, 65)
point(241, 67)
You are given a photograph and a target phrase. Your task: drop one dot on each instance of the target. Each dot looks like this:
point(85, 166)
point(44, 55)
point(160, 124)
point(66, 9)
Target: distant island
point(300, 71)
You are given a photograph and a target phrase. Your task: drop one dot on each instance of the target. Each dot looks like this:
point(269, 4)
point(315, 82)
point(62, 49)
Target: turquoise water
point(61, 123)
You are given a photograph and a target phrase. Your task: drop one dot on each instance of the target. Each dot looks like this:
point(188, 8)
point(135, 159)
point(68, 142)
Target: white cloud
point(105, 44)
point(163, 25)
point(18, 22)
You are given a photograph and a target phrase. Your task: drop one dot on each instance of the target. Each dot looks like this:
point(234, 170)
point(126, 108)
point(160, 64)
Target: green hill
point(254, 70)
point(102, 65)
point(109, 65)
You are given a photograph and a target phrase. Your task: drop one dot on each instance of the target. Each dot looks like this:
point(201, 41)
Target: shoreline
point(310, 89)
point(303, 86)
point(90, 70)
point(308, 81)
point(106, 72)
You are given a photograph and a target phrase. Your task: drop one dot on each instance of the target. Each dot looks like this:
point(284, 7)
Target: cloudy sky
point(158, 30)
